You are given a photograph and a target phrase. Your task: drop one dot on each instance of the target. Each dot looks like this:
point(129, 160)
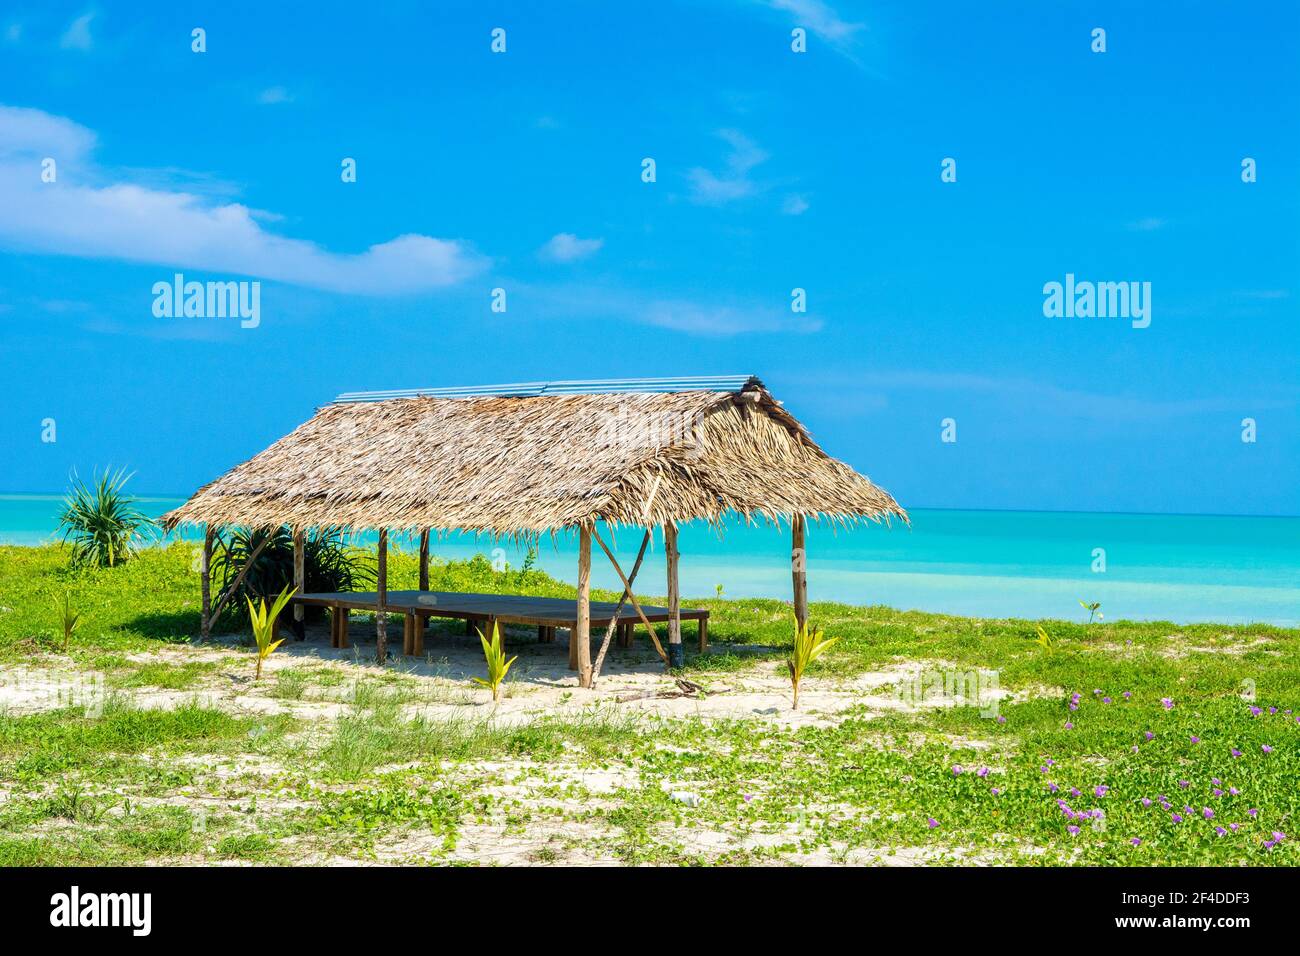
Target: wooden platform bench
point(480, 611)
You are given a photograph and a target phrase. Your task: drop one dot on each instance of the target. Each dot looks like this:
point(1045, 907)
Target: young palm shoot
point(808, 646)
point(497, 665)
point(68, 618)
point(1093, 609)
point(263, 624)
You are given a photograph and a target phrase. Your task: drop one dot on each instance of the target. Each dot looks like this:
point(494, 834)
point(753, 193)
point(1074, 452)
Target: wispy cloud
point(80, 215)
point(274, 95)
point(566, 247)
point(1148, 224)
point(822, 21)
point(13, 32)
point(733, 182)
point(723, 320)
point(77, 36)
point(794, 205)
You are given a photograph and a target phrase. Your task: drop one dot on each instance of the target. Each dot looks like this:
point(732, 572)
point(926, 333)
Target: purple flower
point(1184, 784)
point(1255, 712)
point(1074, 792)
point(1050, 762)
point(956, 770)
point(1073, 829)
point(1236, 752)
point(1146, 801)
point(1279, 836)
point(995, 791)
point(1218, 792)
point(1150, 736)
point(1268, 844)
point(1272, 710)
point(1252, 812)
point(1069, 726)
point(1127, 695)
point(1234, 791)
point(1073, 705)
point(1136, 841)
point(1216, 781)
point(1167, 703)
point(1220, 831)
point(1100, 790)
point(1208, 813)
point(1096, 691)
point(1135, 748)
point(1177, 818)
point(1195, 739)
point(1105, 700)
point(1001, 719)
point(1266, 748)
point(932, 823)
point(747, 797)
point(982, 772)
point(1232, 827)
point(1052, 787)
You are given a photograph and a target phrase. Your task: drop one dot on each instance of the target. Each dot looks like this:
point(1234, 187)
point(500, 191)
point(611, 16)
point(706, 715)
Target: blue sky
point(775, 171)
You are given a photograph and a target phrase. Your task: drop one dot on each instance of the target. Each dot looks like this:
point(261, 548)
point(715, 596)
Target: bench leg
point(417, 636)
point(408, 634)
point(626, 631)
point(343, 628)
point(704, 634)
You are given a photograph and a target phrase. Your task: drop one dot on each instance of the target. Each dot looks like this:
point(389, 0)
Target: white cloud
point(566, 247)
point(273, 95)
point(794, 205)
point(77, 36)
point(1149, 224)
point(723, 320)
point(822, 20)
point(79, 216)
point(713, 189)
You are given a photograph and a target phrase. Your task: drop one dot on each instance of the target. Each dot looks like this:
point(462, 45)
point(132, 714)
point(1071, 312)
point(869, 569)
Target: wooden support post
point(424, 560)
point(625, 630)
point(299, 582)
point(334, 626)
point(205, 585)
point(674, 591)
point(580, 640)
point(381, 602)
point(799, 569)
point(704, 634)
point(408, 634)
point(420, 621)
point(343, 628)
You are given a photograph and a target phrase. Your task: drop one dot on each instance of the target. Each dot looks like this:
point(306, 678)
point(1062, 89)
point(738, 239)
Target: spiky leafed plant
point(329, 564)
point(497, 665)
point(808, 646)
point(263, 624)
point(68, 619)
point(101, 521)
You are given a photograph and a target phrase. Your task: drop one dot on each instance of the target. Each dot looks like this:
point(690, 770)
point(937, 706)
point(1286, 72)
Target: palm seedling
point(263, 624)
point(497, 665)
point(1093, 609)
point(68, 619)
point(101, 521)
point(808, 646)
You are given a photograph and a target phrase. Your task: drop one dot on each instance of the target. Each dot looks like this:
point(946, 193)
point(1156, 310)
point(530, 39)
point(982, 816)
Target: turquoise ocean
point(1181, 568)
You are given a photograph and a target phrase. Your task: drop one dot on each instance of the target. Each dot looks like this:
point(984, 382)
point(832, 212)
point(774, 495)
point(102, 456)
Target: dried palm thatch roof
point(527, 459)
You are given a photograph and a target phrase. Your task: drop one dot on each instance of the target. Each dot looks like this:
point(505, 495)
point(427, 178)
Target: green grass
point(100, 789)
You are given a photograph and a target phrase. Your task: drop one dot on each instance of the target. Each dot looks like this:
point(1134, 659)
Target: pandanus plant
point(497, 665)
point(263, 624)
point(808, 646)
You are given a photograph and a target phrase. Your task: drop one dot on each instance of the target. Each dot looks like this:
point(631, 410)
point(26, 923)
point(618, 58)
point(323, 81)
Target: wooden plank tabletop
point(519, 609)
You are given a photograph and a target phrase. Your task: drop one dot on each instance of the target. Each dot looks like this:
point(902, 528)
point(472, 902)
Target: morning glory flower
point(1217, 792)
point(956, 770)
point(1150, 736)
point(1266, 748)
point(1052, 787)
point(1136, 841)
point(1252, 812)
point(995, 791)
point(1069, 726)
point(1268, 844)
point(1209, 814)
point(1167, 703)
point(932, 823)
point(1100, 790)
point(1096, 691)
point(1216, 781)
point(1195, 739)
point(1279, 836)
point(1184, 784)
point(1073, 829)
point(1135, 748)
point(1177, 818)
point(1220, 831)
point(1146, 801)
point(982, 772)
point(1001, 719)
point(1127, 695)
point(1074, 792)
point(1255, 712)
point(1272, 710)
point(1236, 752)
point(1234, 791)
point(1105, 700)
point(1232, 827)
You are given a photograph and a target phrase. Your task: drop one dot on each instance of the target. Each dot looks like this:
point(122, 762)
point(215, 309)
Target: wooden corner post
point(799, 569)
point(205, 584)
point(424, 560)
point(381, 599)
point(299, 582)
point(580, 641)
point(674, 595)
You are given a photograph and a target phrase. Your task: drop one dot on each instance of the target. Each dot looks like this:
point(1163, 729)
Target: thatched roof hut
point(544, 457)
point(541, 458)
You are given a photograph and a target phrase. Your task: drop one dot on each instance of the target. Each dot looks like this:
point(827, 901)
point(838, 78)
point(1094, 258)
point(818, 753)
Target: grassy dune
point(331, 760)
